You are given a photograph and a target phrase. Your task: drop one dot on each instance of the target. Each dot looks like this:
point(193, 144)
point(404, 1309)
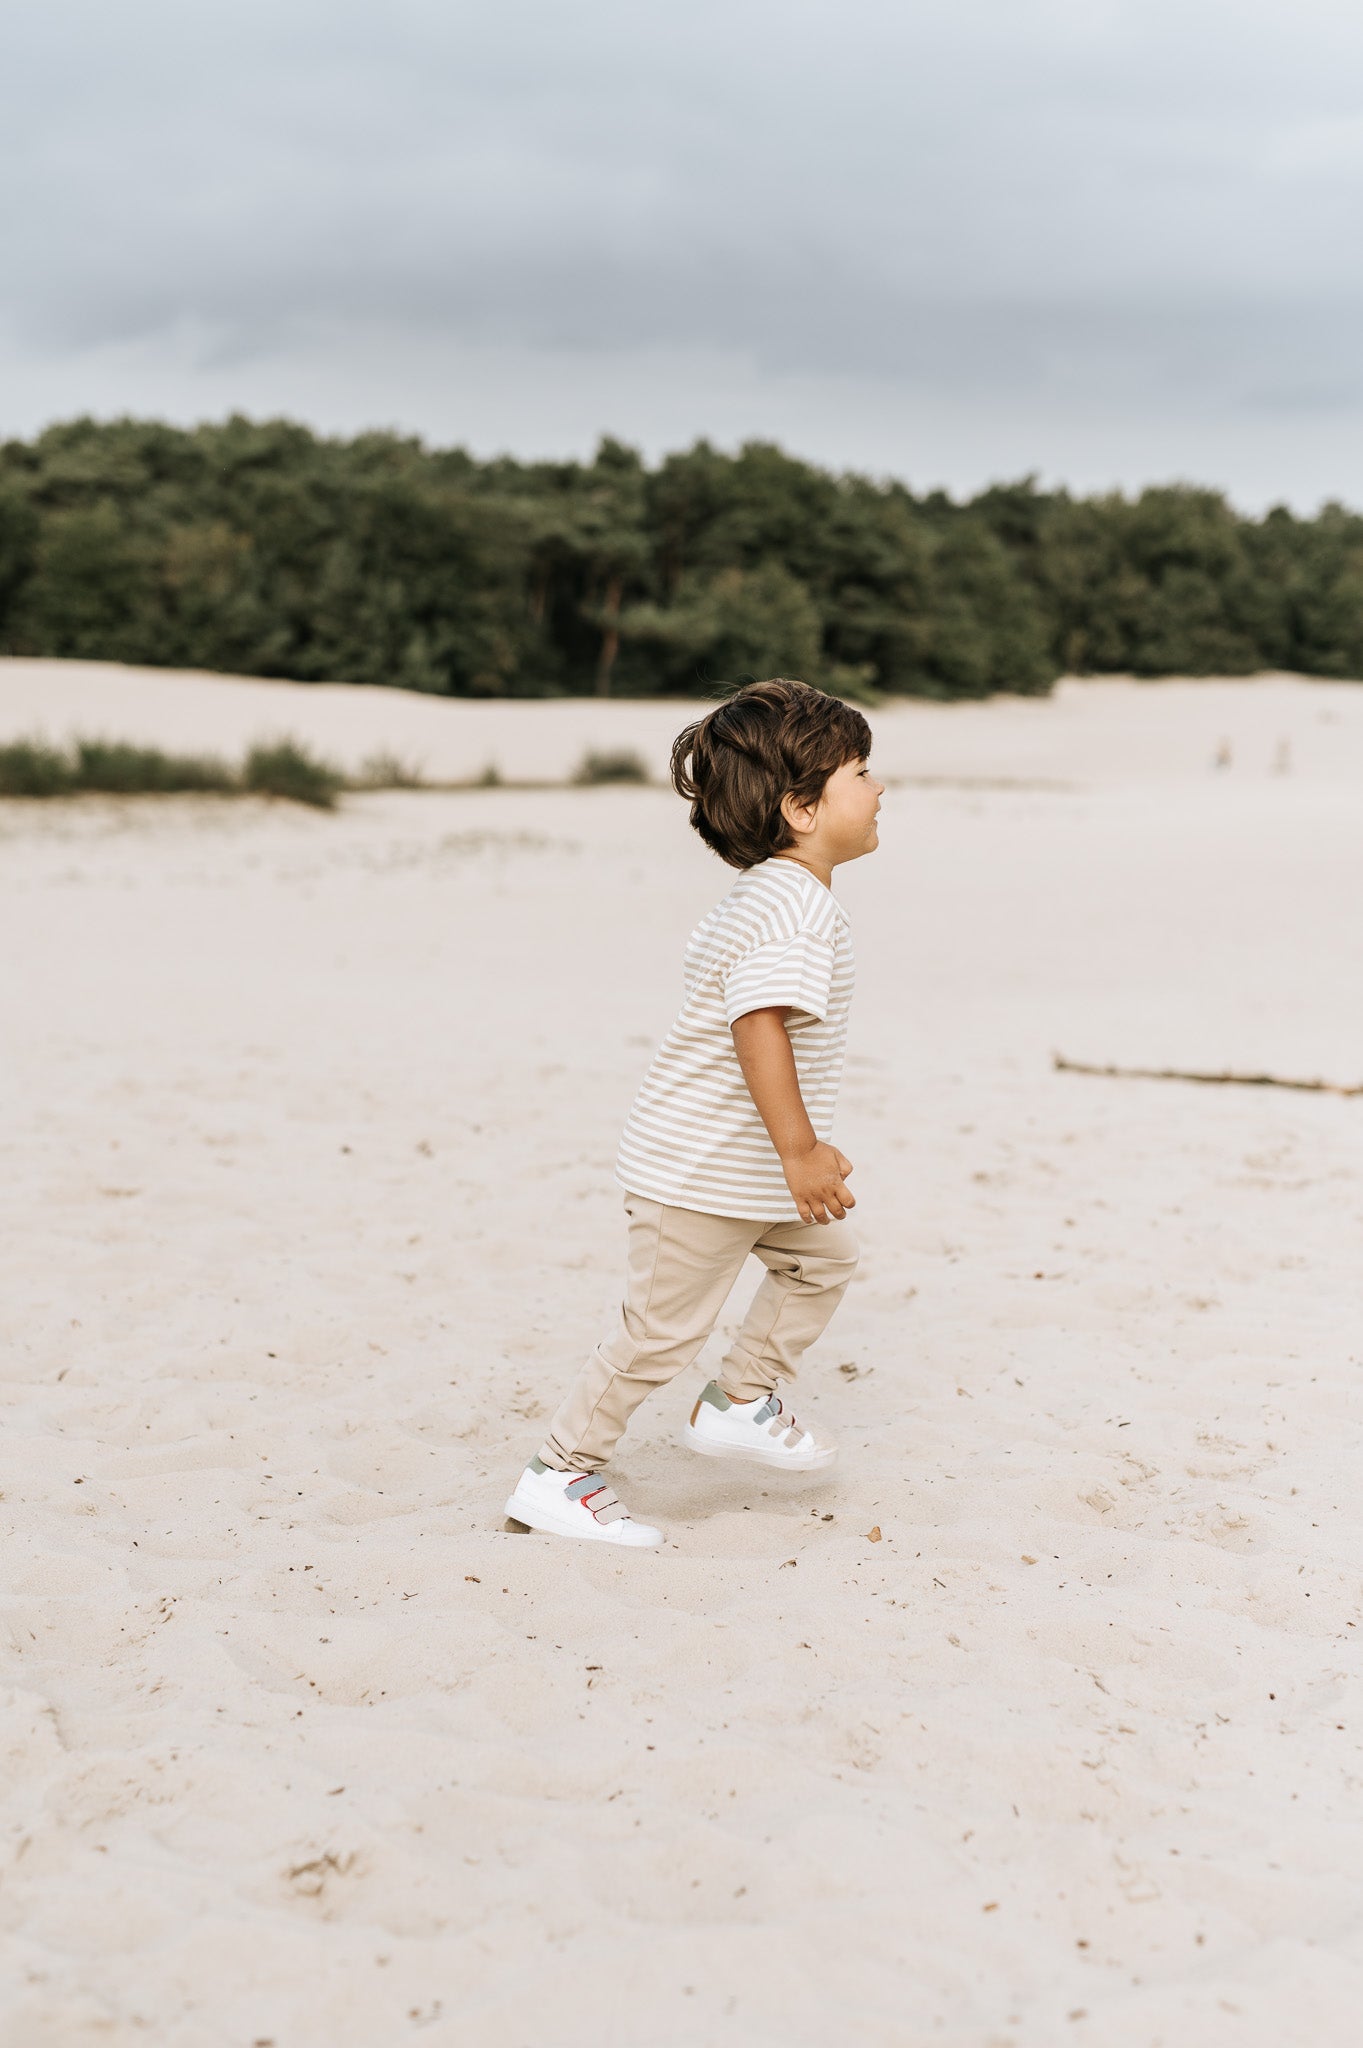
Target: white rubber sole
point(535, 1517)
point(774, 1460)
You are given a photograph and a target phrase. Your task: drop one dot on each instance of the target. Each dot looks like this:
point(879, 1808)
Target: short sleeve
point(797, 972)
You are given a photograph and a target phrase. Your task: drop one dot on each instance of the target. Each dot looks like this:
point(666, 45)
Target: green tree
point(260, 547)
point(735, 623)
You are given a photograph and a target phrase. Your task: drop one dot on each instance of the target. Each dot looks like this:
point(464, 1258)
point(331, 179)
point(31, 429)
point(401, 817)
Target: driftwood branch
point(1064, 1066)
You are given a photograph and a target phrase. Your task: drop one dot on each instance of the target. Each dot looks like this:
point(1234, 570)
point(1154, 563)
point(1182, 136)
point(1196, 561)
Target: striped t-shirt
point(693, 1138)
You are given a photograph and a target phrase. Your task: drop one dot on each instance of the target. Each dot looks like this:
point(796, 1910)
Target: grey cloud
point(1115, 198)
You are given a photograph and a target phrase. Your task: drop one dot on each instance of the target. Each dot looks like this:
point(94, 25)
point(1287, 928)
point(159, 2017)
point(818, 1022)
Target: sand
point(308, 1127)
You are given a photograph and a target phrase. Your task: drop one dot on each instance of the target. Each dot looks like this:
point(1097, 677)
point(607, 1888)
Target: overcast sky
point(1107, 240)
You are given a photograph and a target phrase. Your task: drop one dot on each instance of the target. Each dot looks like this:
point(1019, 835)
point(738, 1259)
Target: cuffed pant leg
point(809, 1266)
point(681, 1266)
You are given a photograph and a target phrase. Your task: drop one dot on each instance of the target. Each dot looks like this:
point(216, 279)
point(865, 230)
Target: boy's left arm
point(816, 1173)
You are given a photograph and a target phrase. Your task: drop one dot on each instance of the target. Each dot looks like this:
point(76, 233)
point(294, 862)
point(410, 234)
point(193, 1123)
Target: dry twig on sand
point(1064, 1066)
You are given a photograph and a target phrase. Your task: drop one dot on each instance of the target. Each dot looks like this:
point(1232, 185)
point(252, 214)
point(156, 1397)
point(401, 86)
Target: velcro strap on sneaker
point(592, 1493)
point(780, 1424)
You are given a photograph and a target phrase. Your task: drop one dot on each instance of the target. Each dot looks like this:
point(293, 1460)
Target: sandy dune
point(308, 1123)
point(1095, 732)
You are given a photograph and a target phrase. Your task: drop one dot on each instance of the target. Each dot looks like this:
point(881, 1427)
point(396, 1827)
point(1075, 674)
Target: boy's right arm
point(816, 1174)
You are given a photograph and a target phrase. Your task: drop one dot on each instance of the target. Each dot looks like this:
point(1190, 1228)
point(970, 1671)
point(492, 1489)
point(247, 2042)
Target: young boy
point(727, 1149)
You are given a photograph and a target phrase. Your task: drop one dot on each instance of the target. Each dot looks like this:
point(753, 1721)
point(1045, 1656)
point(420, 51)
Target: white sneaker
point(761, 1430)
point(576, 1504)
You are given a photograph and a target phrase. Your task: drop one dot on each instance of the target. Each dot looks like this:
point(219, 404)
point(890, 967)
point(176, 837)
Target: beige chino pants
point(681, 1267)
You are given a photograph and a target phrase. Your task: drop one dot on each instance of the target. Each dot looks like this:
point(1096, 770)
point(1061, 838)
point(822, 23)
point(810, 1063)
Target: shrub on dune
point(283, 768)
point(619, 765)
point(32, 768)
point(121, 770)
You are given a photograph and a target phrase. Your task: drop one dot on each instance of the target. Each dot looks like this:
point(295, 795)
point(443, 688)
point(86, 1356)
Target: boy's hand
point(817, 1178)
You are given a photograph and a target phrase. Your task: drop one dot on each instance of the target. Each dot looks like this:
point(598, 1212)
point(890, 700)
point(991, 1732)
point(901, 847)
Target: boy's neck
point(812, 863)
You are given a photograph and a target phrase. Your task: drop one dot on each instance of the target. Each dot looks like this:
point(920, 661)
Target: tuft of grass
point(121, 770)
point(619, 765)
point(388, 771)
point(32, 768)
point(286, 769)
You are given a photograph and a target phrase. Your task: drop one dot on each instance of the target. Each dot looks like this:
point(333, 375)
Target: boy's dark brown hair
point(767, 741)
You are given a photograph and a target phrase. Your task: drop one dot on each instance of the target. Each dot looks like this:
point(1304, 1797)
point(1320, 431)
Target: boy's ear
point(797, 814)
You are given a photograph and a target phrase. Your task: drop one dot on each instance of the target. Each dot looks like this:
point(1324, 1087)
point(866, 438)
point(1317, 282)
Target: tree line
point(262, 548)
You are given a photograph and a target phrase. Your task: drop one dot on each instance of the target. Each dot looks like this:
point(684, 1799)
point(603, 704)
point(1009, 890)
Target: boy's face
point(845, 816)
